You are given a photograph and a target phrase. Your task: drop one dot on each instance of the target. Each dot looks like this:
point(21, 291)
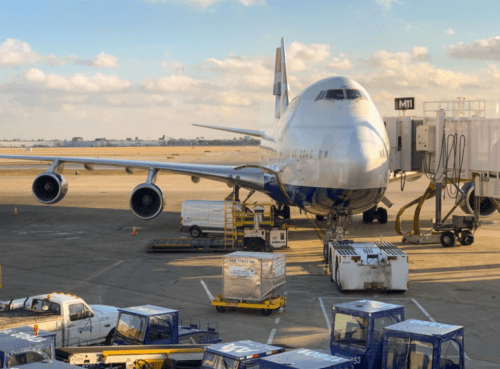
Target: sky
point(148, 68)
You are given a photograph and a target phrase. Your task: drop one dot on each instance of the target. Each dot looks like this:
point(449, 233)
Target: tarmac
point(84, 245)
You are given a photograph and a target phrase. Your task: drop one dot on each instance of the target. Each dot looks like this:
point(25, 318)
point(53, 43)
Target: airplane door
point(80, 327)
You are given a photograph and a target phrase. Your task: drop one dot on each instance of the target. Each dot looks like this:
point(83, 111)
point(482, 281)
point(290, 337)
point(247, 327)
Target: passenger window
point(326, 154)
point(320, 153)
point(335, 94)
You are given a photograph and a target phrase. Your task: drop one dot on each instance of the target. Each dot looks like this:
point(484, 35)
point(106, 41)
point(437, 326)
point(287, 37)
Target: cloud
point(15, 53)
point(450, 31)
point(384, 59)
point(484, 49)
point(387, 3)
point(203, 4)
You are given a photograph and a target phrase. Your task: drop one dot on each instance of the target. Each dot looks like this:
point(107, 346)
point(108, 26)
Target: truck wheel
point(448, 239)
point(266, 312)
point(220, 309)
point(195, 232)
point(325, 251)
point(466, 238)
point(109, 338)
point(253, 244)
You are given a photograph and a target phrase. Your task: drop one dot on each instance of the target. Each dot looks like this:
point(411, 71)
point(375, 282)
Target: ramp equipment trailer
point(367, 265)
point(238, 355)
point(154, 325)
point(305, 359)
point(251, 227)
point(133, 357)
point(249, 280)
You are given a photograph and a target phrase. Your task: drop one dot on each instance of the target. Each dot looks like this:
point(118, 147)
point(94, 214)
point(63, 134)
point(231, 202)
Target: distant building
point(77, 139)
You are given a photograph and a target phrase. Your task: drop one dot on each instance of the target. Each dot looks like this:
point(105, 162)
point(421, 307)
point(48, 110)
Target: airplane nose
point(368, 159)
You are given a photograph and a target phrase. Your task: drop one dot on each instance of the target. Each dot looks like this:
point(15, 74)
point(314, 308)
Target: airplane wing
point(248, 132)
point(146, 200)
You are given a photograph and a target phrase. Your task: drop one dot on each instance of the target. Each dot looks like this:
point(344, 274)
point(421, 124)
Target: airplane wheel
point(286, 212)
point(253, 245)
point(220, 309)
point(448, 239)
point(195, 232)
point(368, 216)
point(266, 312)
point(466, 238)
point(382, 215)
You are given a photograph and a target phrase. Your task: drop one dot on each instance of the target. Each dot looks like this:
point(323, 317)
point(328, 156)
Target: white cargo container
point(252, 276)
point(367, 265)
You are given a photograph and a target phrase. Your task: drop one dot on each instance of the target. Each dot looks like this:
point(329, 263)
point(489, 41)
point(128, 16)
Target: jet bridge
point(458, 149)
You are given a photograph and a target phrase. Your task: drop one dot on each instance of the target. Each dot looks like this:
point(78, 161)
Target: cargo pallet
point(209, 244)
point(267, 306)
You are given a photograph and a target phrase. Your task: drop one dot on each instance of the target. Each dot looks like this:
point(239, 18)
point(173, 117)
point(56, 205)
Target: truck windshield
point(131, 326)
point(160, 328)
point(46, 306)
point(450, 354)
point(403, 353)
point(351, 330)
point(214, 361)
point(28, 357)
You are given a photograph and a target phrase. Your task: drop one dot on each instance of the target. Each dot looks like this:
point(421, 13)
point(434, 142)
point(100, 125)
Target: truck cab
point(20, 346)
point(154, 325)
point(305, 359)
point(237, 355)
point(423, 345)
point(358, 328)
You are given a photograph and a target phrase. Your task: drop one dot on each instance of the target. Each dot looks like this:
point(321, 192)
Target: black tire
point(330, 268)
point(382, 215)
point(320, 218)
point(266, 312)
point(448, 239)
point(195, 232)
point(286, 212)
point(253, 244)
point(220, 309)
point(109, 338)
point(368, 216)
point(466, 238)
point(325, 252)
point(337, 276)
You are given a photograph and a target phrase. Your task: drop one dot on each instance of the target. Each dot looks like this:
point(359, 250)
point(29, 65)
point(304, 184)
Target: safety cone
point(134, 233)
point(15, 211)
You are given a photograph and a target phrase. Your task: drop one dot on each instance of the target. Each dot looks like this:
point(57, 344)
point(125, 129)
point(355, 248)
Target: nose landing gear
point(379, 214)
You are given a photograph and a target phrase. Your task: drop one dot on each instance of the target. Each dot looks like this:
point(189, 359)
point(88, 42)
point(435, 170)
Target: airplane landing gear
point(376, 213)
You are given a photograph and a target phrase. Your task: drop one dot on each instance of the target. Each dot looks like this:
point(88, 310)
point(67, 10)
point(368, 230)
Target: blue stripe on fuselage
point(321, 200)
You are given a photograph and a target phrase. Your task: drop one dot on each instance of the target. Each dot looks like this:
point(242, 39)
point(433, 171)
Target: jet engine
point(487, 207)
point(49, 187)
point(146, 201)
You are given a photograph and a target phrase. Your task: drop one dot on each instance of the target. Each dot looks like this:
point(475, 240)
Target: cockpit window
point(353, 94)
point(339, 94)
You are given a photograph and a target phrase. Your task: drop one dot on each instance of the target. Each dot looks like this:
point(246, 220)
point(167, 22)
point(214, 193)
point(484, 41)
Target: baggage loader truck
point(305, 359)
point(74, 321)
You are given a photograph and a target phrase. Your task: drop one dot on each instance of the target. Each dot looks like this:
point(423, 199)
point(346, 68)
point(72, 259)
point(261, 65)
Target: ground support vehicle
point(47, 364)
point(250, 279)
point(367, 265)
point(202, 245)
point(305, 359)
point(74, 321)
point(267, 306)
point(422, 344)
point(20, 346)
point(358, 329)
point(154, 325)
point(133, 357)
point(237, 355)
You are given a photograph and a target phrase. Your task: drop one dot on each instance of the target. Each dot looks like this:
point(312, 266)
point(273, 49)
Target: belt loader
point(367, 265)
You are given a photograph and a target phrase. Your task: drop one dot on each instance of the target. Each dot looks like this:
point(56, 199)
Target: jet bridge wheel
point(466, 238)
point(448, 239)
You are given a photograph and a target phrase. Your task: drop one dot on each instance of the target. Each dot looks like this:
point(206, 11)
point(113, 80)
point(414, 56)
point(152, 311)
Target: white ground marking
point(277, 321)
point(423, 310)
point(271, 336)
point(325, 314)
point(210, 296)
point(95, 275)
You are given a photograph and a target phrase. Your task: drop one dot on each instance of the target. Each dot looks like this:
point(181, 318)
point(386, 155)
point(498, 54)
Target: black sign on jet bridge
point(404, 103)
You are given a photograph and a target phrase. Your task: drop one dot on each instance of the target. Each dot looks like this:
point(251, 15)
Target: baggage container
point(252, 276)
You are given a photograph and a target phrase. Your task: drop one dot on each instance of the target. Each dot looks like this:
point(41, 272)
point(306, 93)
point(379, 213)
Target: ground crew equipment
point(154, 325)
point(267, 306)
point(237, 355)
point(305, 359)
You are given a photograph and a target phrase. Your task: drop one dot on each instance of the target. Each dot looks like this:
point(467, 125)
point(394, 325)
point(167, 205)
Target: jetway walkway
point(459, 152)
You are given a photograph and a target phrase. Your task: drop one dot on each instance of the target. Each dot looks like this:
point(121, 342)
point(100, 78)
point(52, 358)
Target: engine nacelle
point(49, 188)
point(486, 208)
point(146, 201)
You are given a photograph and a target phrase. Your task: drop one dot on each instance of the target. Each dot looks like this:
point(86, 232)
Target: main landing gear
point(283, 211)
point(376, 213)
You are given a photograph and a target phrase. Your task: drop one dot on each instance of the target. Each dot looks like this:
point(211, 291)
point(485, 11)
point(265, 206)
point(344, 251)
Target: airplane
point(327, 153)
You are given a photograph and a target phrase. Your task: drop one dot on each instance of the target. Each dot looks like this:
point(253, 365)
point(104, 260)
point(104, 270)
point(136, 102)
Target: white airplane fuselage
point(331, 154)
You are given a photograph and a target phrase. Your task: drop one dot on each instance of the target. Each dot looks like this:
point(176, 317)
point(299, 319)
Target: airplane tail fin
point(281, 88)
